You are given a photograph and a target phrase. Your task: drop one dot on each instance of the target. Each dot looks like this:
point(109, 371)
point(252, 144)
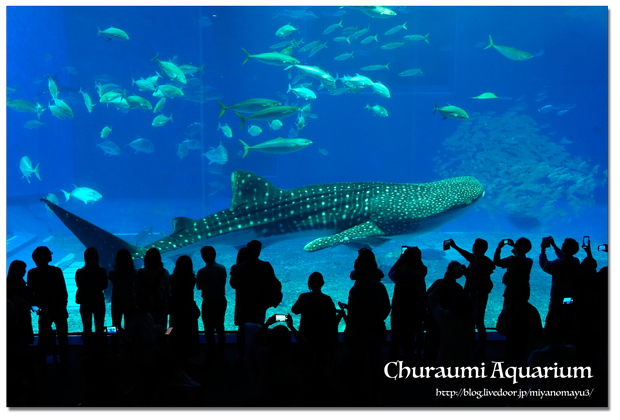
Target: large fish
point(509, 52)
point(345, 213)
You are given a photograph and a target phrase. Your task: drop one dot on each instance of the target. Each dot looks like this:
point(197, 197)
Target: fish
point(275, 125)
point(302, 92)
point(315, 73)
point(106, 132)
point(282, 44)
point(87, 101)
point(323, 152)
point(378, 12)
point(225, 129)
point(104, 78)
point(193, 129)
point(23, 105)
point(378, 110)
point(250, 106)
point(217, 155)
point(143, 234)
point(203, 21)
point(270, 114)
point(486, 95)
point(51, 85)
point(159, 106)
point(160, 120)
point(545, 108)
point(182, 150)
point(254, 130)
point(71, 70)
point(342, 213)
point(452, 112)
point(395, 29)
point(142, 145)
point(192, 144)
point(420, 38)
point(277, 146)
point(109, 97)
point(109, 148)
point(375, 67)
point(189, 69)
point(53, 199)
point(562, 112)
point(369, 39)
point(393, 45)
point(286, 30)
point(342, 39)
point(510, 52)
point(167, 91)
point(138, 102)
point(411, 72)
point(540, 98)
point(271, 58)
point(361, 32)
point(25, 165)
point(114, 34)
point(344, 56)
point(317, 49)
point(310, 46)
point(64, 108)
point(381, 89)
point(56, 111)
point(34, 124)
point(84, 194)
point(170, 70)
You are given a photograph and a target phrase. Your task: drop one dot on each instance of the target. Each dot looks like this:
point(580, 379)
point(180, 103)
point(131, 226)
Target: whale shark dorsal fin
point(248, 188)
point(179, 224)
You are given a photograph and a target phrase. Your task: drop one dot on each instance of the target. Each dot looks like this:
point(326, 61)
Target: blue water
point(569, 67)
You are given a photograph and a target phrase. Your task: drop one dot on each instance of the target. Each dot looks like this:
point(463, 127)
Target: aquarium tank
point(226, 124)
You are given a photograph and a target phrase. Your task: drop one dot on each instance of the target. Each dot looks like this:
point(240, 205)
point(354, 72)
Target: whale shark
point(355, 214)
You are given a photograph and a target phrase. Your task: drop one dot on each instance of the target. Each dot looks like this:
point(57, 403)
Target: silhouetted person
point(19, 294)
point(451, 308)
point(257, 289)
point(184, 312)
point(318, 319)
point(123, 277)
point(372, 264)
point(408, 305)
point(564, 272)
point(478, 285)
point(91, 280)
point(153, 281)
point(211, 279)
point(49, 293)
point(520, 323)
point(518, 266)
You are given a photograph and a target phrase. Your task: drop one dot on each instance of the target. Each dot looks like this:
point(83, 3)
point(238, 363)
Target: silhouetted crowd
point(429, 327)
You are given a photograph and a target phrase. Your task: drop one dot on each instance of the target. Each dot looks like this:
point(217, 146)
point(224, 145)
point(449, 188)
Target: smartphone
point(508, 242)
point(602, 247)
point(446, 244)
point(567, 301)
point(547, 240)
point(168, 331)
point(280, 318)
point(342, 305)
point(110, 330)
point(586, 241)
point(403, 249)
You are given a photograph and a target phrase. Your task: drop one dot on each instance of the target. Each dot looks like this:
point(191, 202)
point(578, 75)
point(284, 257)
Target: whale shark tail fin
point(92, 236)
point(248, 189)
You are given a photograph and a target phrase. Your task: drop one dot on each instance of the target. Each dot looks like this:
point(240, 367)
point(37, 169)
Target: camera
point(586, 241)
point(280, 318)
point(602, 247)
point(403, 249)
point(509, 242)
point(567, 301)
point(446, 244)
point(111, 330)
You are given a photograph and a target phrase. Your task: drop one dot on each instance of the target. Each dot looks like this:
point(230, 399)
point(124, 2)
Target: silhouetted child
point(211, 279)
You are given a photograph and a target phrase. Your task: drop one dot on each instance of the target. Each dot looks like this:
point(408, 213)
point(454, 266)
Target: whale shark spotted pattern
point(346, 213)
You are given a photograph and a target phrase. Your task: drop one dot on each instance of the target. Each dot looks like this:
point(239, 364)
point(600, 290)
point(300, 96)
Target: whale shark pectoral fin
point(360, 234)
